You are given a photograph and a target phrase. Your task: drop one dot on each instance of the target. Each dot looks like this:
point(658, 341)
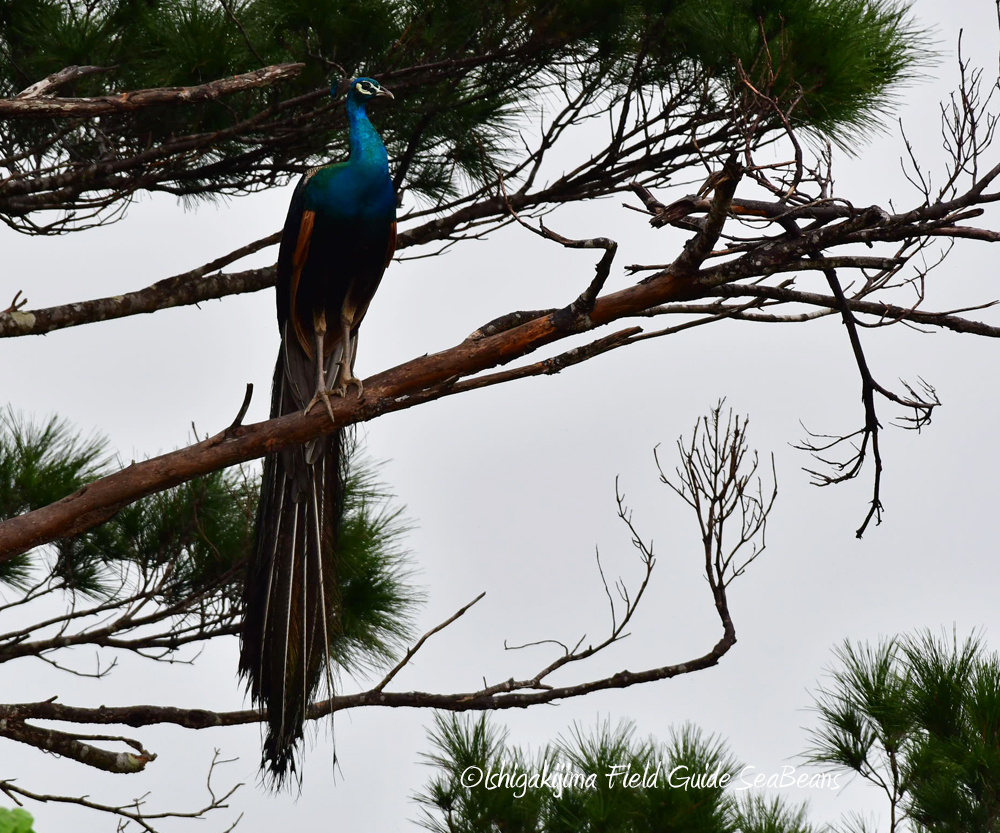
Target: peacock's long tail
point(291, 599)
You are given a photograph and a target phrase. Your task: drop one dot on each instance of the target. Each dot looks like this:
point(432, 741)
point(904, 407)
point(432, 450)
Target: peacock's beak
point(385, 92)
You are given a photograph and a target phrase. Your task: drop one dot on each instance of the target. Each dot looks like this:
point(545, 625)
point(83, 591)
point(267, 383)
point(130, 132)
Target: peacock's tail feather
point(291, 598)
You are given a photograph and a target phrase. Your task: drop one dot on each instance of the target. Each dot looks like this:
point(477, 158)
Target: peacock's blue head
point(363, 90)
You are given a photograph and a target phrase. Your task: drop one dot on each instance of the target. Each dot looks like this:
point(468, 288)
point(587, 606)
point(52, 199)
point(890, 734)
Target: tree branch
point(945, 320)
point(58, 79)
point(72, 747)
point(133, 811)
point(35, 106)
point(420, 380)
point(429, 377)
point(181, 290)
point(720, 479)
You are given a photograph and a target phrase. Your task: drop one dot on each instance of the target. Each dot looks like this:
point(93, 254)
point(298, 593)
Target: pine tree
point(465, 75)
point(603, 781)
point(919, 717)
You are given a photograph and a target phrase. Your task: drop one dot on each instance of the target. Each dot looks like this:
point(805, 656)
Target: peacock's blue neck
point(367, 150)
point(360, 188)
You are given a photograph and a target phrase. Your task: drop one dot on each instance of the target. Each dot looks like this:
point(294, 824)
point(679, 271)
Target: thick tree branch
point(698, 248)
point(423, 379)
point(73, 747)
point(181, 290)
point(36, 106)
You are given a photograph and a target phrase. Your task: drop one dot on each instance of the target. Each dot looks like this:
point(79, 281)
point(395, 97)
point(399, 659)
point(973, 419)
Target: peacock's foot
point(342, 389)
point(346, 382)
point(324, 397)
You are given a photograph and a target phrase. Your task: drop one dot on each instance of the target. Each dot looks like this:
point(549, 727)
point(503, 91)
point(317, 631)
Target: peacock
point(338, 238)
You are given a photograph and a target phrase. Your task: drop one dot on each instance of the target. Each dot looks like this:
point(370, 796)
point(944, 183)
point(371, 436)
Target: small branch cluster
point(722, 486)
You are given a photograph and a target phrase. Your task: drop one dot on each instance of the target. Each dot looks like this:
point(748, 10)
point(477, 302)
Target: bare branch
point(132, 812)
point(409, 654)
point(715, 472)
point(36, 106)
point(188, 288)
point(58, 79)
point(73, 747)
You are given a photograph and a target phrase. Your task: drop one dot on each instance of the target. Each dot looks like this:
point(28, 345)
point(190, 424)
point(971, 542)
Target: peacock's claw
point(347, 379)
point(324, 397)
point(354, 380)
point(341, 390)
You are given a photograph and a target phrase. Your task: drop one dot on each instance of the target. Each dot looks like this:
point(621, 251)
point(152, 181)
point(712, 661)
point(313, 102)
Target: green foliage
point(866, 708)
point(920, 717)
point(15, 821)
point(763, 814)
point(954, 765)
point(198, 531)
point(377, 596)
point(38, 466)
point(461, 744)
point(835, 64)
point(189, 543)
point(586, 789)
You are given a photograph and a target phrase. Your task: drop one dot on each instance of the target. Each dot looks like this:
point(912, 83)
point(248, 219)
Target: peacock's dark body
point(338, 238)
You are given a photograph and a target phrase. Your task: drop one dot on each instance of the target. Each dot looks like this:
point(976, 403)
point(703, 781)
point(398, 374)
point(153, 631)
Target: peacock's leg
point(321, 395)
point(346, 377)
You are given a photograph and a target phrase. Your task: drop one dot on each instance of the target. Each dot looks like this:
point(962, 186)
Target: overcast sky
point(513, 487)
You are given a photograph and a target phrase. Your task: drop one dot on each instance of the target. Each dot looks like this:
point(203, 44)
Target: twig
point(246, 37)
point(236, 423)
point(15, 305)
point(413, 650)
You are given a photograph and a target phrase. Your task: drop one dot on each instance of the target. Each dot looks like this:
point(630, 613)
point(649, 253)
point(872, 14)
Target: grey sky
point(513, 487)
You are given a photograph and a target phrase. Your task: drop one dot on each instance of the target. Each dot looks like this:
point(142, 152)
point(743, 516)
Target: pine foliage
point(468, 78)
point(184, 548)
point(469, 751)
point(835, 67)
point(918, 716)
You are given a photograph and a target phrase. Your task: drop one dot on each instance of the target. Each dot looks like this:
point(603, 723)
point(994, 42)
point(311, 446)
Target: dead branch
point(30, 104)
point(419, 643)
point(73, 747)
point(133, 811)
point(188, 288)
point(58, 79)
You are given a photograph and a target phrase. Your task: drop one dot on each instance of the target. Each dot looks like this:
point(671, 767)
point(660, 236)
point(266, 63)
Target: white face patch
point(364, 88)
